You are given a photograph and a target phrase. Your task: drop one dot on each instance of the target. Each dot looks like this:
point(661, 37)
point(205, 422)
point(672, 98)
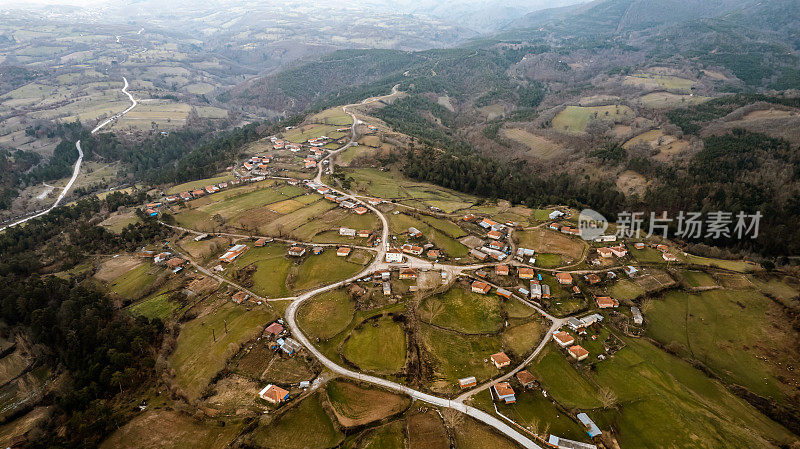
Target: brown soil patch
point(116, 267)
point(427, 431)
point(356, 406)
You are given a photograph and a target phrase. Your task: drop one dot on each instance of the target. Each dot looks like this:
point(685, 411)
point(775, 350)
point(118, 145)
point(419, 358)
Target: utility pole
point(214, 335)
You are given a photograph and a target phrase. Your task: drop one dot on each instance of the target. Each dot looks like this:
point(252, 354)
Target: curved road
point(77, 169)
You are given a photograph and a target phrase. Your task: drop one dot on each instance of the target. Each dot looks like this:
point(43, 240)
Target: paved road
point(77, 169)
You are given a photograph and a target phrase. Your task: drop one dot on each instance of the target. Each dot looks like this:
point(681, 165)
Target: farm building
point(556, 214)
point(619, 251)
point(343, 251)
point(360, 210)
point(494, 235)
point(432, 254)
point(260, 242)
point(347, 232)
point(467, 382)
point(563, 443)
point(408, 273)
point(525, 273)
point(591, 427)
point(233, 253)
point(504, 293)
point(604, 252)
point(606, 302)
point(501, 270)
point(592, 278)
point(412, 249)
point(669, 257)
point(364, 233)
point(637, 315)
point(289, 345)
point(414, 232)
point(275, 328)
point(477, 254)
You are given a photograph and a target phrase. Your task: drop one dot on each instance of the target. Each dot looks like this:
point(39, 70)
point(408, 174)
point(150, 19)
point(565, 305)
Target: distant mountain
point(482, 16)
point(630, 15)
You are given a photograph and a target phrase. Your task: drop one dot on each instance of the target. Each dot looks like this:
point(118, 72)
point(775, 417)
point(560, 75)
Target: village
point(360, 272)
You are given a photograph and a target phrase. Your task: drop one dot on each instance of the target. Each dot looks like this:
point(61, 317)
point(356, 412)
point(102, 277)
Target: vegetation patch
point(203, 347)
point(327, 314)
point(377, 345)
point(461, 310)
point(306, 425)
point(574, 119)
point(356, 405)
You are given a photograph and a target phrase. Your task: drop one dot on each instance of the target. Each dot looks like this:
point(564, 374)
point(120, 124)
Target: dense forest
point(103, 351)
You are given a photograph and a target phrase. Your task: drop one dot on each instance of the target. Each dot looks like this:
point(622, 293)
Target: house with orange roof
point(504, 392)
point(481, 287)
point(343, 251)
point(563, 339)
point(606, 302)
point(274, 394)
point(578, 352)
point(525, 272)
point(500, 360)
point(564, 278)
point(408, 273)
point(502, 270)
point(240, 297)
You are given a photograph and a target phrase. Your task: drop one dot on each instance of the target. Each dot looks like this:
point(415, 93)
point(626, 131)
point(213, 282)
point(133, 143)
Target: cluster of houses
point(612, 251)
point(578, 325)
point(495, 246)
point(538, 289)
point(344, 201)
point(279, 340)
point(208, 190)
point(166, 259)
point(571, 230)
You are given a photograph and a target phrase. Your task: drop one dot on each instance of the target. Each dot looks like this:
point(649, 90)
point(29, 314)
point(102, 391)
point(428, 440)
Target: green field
point(377, 345)
point(326, 314)
point(306, 425)
point(389, 436)
point(682, 404)
point(133, 284)
point(198, 358)
point(625, 289)
point(562, 381)
point(393, 185)
point(440, 232)
point(698, 279)
point(534, 410)
point(303, 133)
point(456, 355)
point(158, 306)
point(461, 310)
point(327, 268)
point(471, 434)
point(652, 81)
point(333, 116)
point(573, 119)
point(521, 339)
point(272, 268)
point(728, 331)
